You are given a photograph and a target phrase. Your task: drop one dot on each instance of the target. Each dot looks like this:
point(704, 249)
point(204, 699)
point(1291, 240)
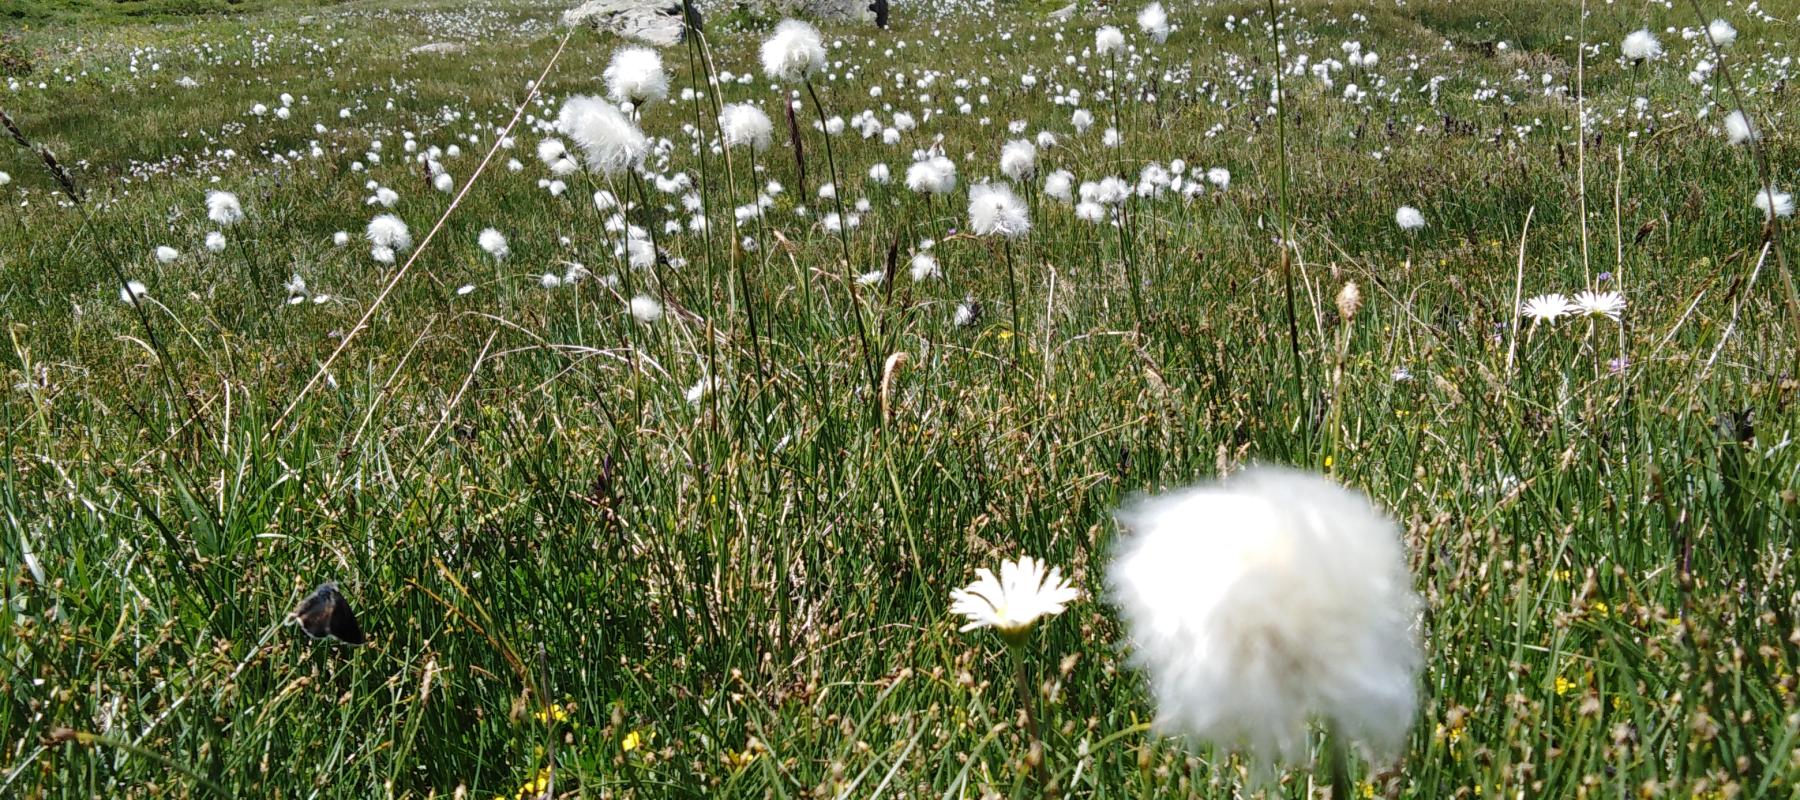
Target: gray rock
point(437, 48)
point(653, 22)
point(868, 11)
point(1066, 12)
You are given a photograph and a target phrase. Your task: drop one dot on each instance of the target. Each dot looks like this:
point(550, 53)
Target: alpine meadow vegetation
point(1178, 399)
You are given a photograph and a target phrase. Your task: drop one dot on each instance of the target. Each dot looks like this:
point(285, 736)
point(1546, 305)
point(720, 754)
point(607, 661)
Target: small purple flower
point(1603, 277)
point(1618, 365)
point(1402, 374)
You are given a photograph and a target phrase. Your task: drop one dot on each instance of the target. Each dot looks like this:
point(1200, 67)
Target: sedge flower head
point(1409, 218)
point(646, 309)
point(494, 242)
point(1721, 32)
point(1738, 129)
point(1261, 603)
point(1109, 40)
point(935, 175)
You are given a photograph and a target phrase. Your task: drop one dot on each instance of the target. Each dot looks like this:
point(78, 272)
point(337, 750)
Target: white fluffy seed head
point(223, 208)
point(1775, 203)
point(795, 52)
point(1259, 604)
point(1721, 32)
point(1738, 129)
point(935, 175)
point(995, 211)
point(1409, 218)
point(390, 232)
point(635, 75)
point(610, 142)
point(646, 309)
point(923, 267)
point(745, 124)
point(1641, 45)
point(1154, 21)
point(551, 151)
point(1018, 160)
point(1109, 40)
point(494, 242)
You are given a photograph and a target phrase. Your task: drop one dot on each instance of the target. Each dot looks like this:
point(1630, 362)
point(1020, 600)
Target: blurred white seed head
point(1256, 605)
point(494, 242)
point(1154, 21)
point(646, 309)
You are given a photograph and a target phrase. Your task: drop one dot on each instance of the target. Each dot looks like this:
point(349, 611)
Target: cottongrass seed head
point(1018, 160)
point(1774, 203)
point(1738, 129)
point(1409, 218)
point(133, 291)
point(1256, 605)
point(995, 211)
point(935, 175)
point(494, 242)
point(646, 309)
point(1641, 45)
point(1109, 40)
point(635, 75)
point(795, 52)
point(1154, 21)
point(390, 232)
point(223, 208)
point(745, 124)
point(1721, 32)
point(610, 142)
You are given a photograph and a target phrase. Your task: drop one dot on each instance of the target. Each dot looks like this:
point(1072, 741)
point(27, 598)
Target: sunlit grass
point(563, 562)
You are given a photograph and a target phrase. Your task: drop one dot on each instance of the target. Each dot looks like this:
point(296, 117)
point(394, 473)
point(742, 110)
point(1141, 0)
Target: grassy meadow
point(708, 551)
